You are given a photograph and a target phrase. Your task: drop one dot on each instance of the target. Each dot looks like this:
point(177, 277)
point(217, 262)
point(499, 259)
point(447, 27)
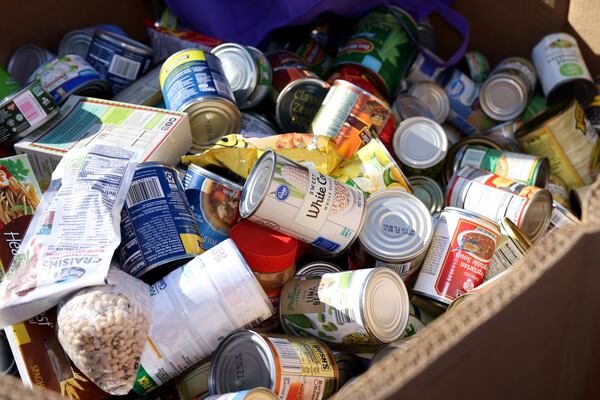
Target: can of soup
point(429, 192)
point(25, 111)
point(496, 197)
point(293, 368)
point(71, 74)
point(8, 84)
point(256, 125)
point(158, 229)
point(377, 35)
point(192, 81)
point(476, 65)
point(350, 115)
point(420, 145)
point(214, 201)
point(396, 233)
point(25, 60)
point(423, 70)
point(258, 393)
point(318, 269)
point(532, 170)
point(434, 97)
point(567, 139)
point(119, 59)
point(328, 214)
point(462, 248)
point(511, 247)
point(562, 70)
point(296, 91)
point(346, 307)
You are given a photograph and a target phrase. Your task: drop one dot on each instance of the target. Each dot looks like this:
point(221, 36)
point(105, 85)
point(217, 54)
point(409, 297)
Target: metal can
point(423, 70)
point(328, 214)
point(452, 134)
point(25, 60)
point(195, 382)
point(145, 91)
point(296, 91)
point(349, 366)
point(536, 105)
point(532, 170)
point(577, 198)
point(25, 111)
point(511, 247)
point(560, 218)
point(356, 75)
point(315, 52)
point(377, 34)
point(505, 93)
point(192, 81)
point(318, 269)
point(592, 111)
point(365, 307)
point(429, 192)
point(385, 350)
point(505, 130)
point(265, 77)
point(119, 59)
point(476, 65)
point(559, 191)
point(158, 229)
point(406, 106)
point(78, 41)
point(417, 320)
point(427, 35)
point(434, 97)
point(214, 201)
point(396, 234)
point(350, 115)
point(71, 74)
point(8, 84)
point(258, 393)
point(294, 368)
point(566, 138)
point(562, 70)
point(496, 197)
point(458, 258)
point(420, 145)
point(256, 125)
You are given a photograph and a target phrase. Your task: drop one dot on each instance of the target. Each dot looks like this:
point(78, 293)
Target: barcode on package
point(144, 190)
point(290, 360)
point(345, 316)
point(255, 322)
point(30, 108)
point(124, 67)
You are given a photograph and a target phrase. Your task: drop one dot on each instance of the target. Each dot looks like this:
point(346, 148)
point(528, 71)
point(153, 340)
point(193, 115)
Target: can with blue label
point(192, 81)
point(158, 230)
point(118, 59)
point(214, 201)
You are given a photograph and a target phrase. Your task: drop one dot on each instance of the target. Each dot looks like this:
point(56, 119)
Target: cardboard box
point(161, 134)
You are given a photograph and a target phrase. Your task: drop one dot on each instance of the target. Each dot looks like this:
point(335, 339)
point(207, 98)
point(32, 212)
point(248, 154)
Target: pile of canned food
point(198, 219)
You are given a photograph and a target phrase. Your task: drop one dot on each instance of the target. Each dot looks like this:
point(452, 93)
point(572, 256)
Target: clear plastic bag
point(103, 330)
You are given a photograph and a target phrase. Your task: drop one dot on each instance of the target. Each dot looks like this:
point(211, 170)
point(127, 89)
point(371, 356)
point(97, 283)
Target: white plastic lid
point(420, 142)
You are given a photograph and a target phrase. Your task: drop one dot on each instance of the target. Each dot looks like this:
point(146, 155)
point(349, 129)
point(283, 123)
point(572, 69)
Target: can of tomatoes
point(496, 197)
point(461, 251)
point(294, 368)
point(214, 201)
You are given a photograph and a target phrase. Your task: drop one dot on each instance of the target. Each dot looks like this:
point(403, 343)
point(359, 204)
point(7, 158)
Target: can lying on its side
point(78, 41)
point(328, 214)
point(429, 192)
point(510, 248)
point(317, 269)
point(144, 91)
point(25, 60)
point(256, 125)
point(434, 97)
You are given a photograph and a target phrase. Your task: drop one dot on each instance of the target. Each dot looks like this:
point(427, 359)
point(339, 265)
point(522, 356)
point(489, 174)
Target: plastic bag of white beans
point(103, 330)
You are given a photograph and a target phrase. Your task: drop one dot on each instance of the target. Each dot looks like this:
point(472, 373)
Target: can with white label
point(434, 97)
point(511, 247)
point(457, 261)
point(496, 197)
point(396, 233)
point(302, 203)
point(294, 368)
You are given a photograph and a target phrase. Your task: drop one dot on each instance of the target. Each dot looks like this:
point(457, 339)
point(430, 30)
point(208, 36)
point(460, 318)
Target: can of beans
point(377, 35)
point(420, 145)
point(192, 81)
point(511, 247)
point(71, 74)
point(293, 368)
point(496, 197)
point(25, 111)
point(119, 59)
point(347, 307)
point(25, 60)
point(350, 115)
point(462, 248)
point(356, 75)
point(296, 91)
point(429, 192)
point(434, 97)
point(476, 65)
point(567, 139)
point(423, 70)
point(532, 170)
point(8, 84)
point(318, 269)
point(256, 125)
point(505, 92)
point(327, 213)
point(396, 234)
point(258, 393)
point(158, 229)
point(214, 201)
point(562, 70)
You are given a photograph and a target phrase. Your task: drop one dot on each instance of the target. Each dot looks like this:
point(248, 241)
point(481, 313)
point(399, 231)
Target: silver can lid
point(397, 226)
point(434, 97)
point(257, 184)
point(239, 68)
point(503, 97)
point(76, 42)
point(246, 352)
point(25, 60)
point(420, 142)
point(429, 192)
point(536, 216)
point(318, 269)
point(211, 119)
point(406, 106)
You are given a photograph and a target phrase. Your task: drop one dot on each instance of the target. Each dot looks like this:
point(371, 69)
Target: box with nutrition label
point(271, 256)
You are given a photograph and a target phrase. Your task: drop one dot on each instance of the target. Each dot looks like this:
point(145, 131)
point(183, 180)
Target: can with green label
point(8, 84)
point(382, 46)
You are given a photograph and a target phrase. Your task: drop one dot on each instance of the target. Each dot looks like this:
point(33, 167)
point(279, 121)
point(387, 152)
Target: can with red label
point(459, 256)
point(356, 75)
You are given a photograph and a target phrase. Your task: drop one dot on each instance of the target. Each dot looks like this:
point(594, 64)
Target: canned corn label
point(520, 167)
point(328, 308)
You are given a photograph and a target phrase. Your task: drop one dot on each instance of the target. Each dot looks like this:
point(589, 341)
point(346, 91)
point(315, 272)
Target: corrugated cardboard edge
point(389, 375)
point(13, 389)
